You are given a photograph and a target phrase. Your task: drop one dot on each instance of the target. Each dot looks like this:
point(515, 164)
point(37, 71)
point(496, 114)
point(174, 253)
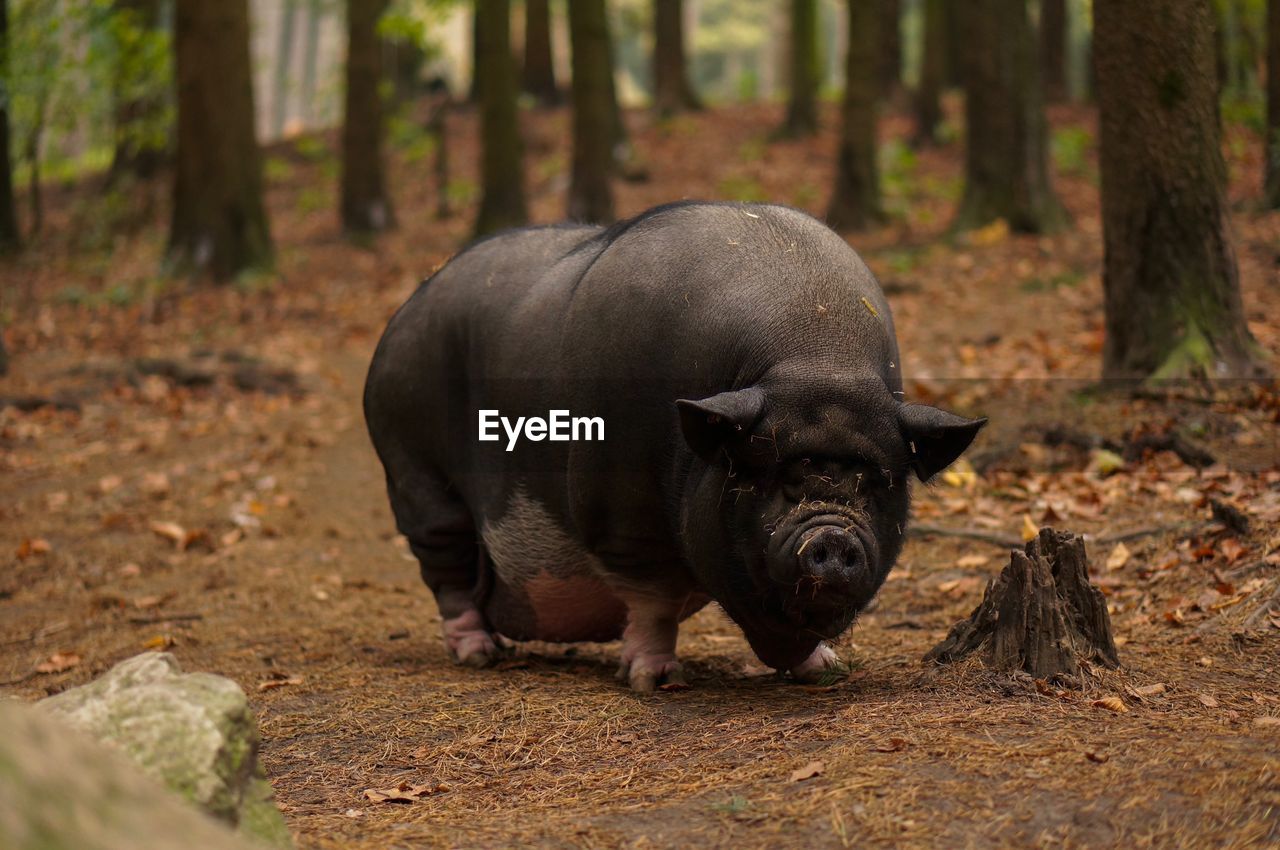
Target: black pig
point(756, 447)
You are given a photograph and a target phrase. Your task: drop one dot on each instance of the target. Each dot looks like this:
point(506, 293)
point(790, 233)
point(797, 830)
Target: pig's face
point(798, 513)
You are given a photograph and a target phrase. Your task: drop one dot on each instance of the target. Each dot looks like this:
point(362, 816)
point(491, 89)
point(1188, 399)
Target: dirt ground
point(204, 484)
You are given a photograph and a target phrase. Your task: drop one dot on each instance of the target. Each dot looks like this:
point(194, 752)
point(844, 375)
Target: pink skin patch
point(821, 661)
point(649, 642)
point(469, 642)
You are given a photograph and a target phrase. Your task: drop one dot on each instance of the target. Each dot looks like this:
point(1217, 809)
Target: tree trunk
point(219, 221)
point(310, 59)
point(672, 92)
point(890, 18)
point(1053, 49)
point(502, 171)
point(802, 105)
point(1170, 280)
point(10, 235)
point(280, 77)
point(134, 153)
point(856, 202)
point(1272, 138)
point(594, 121)
point(933, 71)
point(1006, 156)
point(478, 68)
point(539, 61)
point(954, 45)
point(366, 208)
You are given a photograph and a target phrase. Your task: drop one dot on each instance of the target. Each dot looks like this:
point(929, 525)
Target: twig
point(164, 618)
point(919, 530)
point(1136, 534)
point(1262, 610)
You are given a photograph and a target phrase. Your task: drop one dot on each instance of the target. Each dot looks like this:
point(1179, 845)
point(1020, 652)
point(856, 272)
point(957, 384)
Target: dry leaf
point(1104, 462)
point(1207, 701)
point(1119, 557)
point(960, 474)
point(1267, 722)
point(809, 771)
point(1097, 758)
point(279, 680)
point(1029, 529)
point(968, 562)
point(1151, 690)
point(403, 793)
point(59, 662)
point(33, 546)
point(1111, 703)
point(893, 745)
point(160, 643)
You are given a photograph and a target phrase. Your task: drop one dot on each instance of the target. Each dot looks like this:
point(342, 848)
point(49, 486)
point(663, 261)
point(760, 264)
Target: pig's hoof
point(469, 642)
point(822, 665)
point(646, 674)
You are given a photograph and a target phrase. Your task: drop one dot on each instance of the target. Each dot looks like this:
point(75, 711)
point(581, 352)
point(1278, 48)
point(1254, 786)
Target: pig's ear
point(712, 422)
point(936, 438)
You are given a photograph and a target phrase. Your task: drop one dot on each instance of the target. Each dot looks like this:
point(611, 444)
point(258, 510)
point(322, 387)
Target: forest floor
point(207, 487)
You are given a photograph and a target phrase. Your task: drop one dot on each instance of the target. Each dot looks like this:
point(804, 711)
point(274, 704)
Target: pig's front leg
point(822, 662)
point(649, 642)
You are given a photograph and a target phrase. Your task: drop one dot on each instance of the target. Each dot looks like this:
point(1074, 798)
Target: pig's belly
point(543, 585)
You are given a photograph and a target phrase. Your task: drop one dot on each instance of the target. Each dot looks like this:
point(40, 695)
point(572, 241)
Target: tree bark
point(955, 45)
point(802, 103)
point(366, 208)
point(594, 119)
point(672, 92)
point(1272, 139)
point(1006, 156)
point(219, 221)
point(502, 169)
point(478, 68)
point(539, 62)
point(855, 204)
point(134, 154)
point(10, 235)
point(890, 21)
point(1053, 49)
point(1170, 279)
point(933, 71)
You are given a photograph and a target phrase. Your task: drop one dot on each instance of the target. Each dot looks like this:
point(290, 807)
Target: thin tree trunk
point(594, 121)
point(133, 154)
point(502, 172)
point(856, 202)
point(1272, 138)
point(933, 69)
point(1053, 49)
point(802, 104)
point(1006, 156)
point(366, 207)
point(890, 18)
point(672, 92)
point(10, 235)
point(280, 78)
point(310, 59)
point(539, 61)
point(219, 221)
point(955, 44)
point(1171, 284)
point(478, 68)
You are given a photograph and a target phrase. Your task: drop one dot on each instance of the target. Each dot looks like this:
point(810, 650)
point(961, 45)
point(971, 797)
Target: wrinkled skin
point(757, 449)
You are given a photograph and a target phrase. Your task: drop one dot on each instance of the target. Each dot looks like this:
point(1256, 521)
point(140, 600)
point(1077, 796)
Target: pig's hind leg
point(649, 642)
point(442, 536)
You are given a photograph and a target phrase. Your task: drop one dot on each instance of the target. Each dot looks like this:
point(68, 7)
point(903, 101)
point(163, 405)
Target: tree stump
point(1040, 615)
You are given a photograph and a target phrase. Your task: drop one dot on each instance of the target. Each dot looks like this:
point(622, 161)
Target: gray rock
point(194, 732)
point(60, 790)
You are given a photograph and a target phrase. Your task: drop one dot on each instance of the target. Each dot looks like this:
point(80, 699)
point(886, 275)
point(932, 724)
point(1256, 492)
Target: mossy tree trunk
point(1053, 49)
point(135, 113)
point(802, 100)
point(1272, 139)
point(1170, 279)
point(539, 78)
point(366, 208)
point(855, 205)
point(890, 20)
point(219, 222)
point(672, 92)
point(933, 72)
point(1006, 156)
point(10, 235)
point(594, 113)
point(502, 171)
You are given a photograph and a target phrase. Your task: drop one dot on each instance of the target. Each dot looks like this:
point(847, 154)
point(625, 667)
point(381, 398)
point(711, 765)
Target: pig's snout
point(831, 567)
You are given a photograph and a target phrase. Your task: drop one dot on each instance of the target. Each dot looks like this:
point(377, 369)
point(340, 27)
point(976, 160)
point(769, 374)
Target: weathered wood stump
point(1040, 615)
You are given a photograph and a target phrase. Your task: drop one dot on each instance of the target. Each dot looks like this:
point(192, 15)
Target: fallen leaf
point(960, 474)
point(968, 562)
point(1232, 550)
point(107, 483)
point(403, 793)
point(1104, 462)
point(809, 771)
point(1119, 557)
point(1112, 703)
point(279, 680)
point(160, 643)
point(59, 662)
point(33, 546)
point(170, 531)
point(1151, 690)
point(353, 813)
point(1207, 701)
point(1097, 758)
point(893, 745)
point(1029, 529)
point(1267, 722)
